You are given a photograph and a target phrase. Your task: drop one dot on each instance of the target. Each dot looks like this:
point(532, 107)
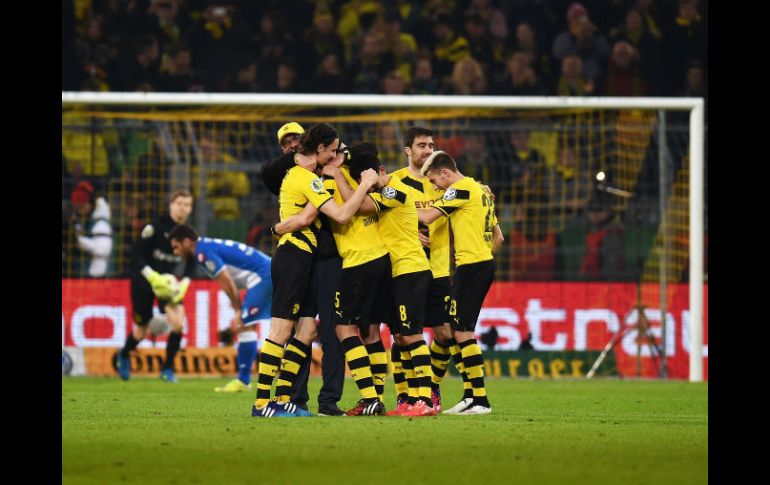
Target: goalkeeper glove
point(181, 291)
point(160, 285)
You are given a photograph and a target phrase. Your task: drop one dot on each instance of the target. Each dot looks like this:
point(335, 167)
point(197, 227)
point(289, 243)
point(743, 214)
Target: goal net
point(592, 199)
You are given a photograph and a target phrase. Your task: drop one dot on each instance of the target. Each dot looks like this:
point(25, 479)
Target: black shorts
point(324, 273)
point(291, 268)
point(439, 296)
point(410, 293)
point(142, 299)
point(365, 294)
point(470, 286)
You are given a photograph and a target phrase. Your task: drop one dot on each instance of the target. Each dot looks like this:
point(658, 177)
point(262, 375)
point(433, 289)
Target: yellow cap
point(289, 128)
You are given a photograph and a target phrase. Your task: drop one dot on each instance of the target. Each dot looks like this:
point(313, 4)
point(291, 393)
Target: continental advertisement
point(564, 317)
point(210, 362)
point(220, 362)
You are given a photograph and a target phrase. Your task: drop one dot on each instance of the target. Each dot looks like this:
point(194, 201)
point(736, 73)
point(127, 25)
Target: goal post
point(92, 102)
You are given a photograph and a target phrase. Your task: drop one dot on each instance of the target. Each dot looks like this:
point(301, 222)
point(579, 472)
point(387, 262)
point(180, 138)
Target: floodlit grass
point(541, 431)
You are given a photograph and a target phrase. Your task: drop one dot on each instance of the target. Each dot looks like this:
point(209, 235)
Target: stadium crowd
point(516, 47)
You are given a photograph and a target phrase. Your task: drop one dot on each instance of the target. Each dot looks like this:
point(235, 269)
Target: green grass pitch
point(541, 432)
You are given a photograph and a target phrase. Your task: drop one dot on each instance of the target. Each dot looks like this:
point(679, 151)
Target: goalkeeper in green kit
point(152, 266)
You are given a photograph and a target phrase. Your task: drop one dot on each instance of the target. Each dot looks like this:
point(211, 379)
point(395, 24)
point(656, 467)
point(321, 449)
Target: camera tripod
point(644, 336)
point(642, 325)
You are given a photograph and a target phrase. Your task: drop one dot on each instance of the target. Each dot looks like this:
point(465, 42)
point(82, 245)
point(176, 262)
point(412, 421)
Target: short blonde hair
point(438, 160)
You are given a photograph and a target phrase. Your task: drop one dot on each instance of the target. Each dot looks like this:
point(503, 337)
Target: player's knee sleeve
point(159, 326)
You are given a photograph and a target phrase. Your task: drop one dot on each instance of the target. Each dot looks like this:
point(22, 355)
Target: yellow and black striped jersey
point(493, 221)
point(299, 187)
point(473, 219)
point(358, 241)
point(424, 195)
point(398, 228)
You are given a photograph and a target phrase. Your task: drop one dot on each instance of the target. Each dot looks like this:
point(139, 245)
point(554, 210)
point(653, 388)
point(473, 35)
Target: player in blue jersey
point(235, 266)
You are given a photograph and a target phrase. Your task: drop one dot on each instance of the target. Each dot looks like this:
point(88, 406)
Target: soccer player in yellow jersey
point(398, 230)
point(291, 266)
point(472, 213)
point(327, 266)
point(418, 146)
point(364, 294)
